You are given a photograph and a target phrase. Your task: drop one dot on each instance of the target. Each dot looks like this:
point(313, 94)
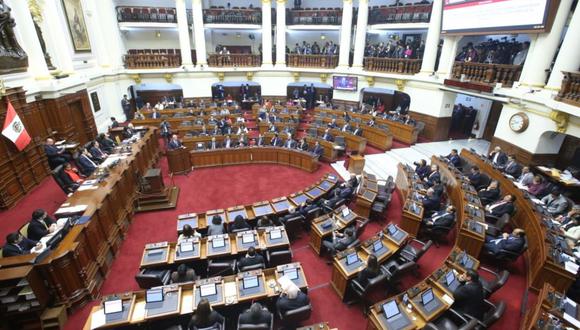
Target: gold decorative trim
point(250, 75)
point(2, 88)
point(400, 84)
point(136, 78)
point(168, 77)
point(370, 81)
point(43, 77)
point(532, 85)
point(556, 89)
point(35, 11)
point(281, 1)
point(323, 77)
point(221, 76)
point(296, 76)
point(346, 1)
point(266, 2)
point(561, 119)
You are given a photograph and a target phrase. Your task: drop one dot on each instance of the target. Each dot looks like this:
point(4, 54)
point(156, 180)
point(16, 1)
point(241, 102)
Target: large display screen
point(484, 16)
point(345, 83)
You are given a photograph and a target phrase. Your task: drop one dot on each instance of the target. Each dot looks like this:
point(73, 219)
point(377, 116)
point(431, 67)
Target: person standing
point(126, 105)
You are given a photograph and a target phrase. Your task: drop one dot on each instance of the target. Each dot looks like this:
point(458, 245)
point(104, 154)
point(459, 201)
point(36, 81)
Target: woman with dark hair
point(204, 316)
point(239, 224)
point(371, 271)
point(215, 227)
point(188, 232)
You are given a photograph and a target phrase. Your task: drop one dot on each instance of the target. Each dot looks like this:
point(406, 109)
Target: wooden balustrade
point(234, 60)
point(146, 14)
point(152, 61)
point(400, 14)
point(314, 16)
point(312, 61)
point(392, 65)
point(505, 74)
point(233, 16)
point(570, 90)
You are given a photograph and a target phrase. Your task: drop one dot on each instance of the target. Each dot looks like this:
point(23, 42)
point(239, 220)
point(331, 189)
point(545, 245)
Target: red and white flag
point(14, 129)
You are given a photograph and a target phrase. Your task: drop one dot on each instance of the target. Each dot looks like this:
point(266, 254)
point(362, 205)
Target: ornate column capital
point(561, 120)
point(281, 2)
point(347, 1)
point(266, 2)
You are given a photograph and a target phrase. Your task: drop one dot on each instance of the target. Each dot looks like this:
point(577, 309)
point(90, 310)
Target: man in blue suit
point(513, 242)
point(175, 144)
point(454, 158)
point(17, 244)
point(433, 176)
point(86, 163)
point(317, 149)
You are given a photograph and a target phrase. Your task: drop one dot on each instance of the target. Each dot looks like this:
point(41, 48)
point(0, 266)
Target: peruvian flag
point(14, 129)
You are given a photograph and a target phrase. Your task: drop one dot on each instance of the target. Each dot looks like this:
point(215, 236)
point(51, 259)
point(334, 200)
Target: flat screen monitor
point(345, 212)
point(351, 258)
point(218, 242)
point(449, 278)
point(207, 290)
point(327, 224)
point(154, 295)
point(250, 282)
point(248, 238)
point(391, 309)
point(291, 273)
point(392, 229)
point(427, 296)
point(345, 83)
point(377, 245)
point(275, 234)
point(113, 306)
point(154, 253)
point(186, 246)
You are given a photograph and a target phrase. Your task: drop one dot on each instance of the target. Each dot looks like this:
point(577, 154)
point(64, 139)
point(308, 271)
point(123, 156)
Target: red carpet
point(206, 189)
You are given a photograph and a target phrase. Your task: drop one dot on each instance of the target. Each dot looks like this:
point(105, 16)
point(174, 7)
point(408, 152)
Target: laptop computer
point(207, 290)
point(395, 318)
point(428, 300)
point(352, 258)
point(250, 282)
point(377, 245)
point(275, 234)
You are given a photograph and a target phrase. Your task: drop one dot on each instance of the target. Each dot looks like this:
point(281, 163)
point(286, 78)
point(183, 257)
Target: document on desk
point(230, 292)
point(98, 319)
point(571, 267)
point(572, 320)
point(87, 187)
point(71, 209)
point(447, 299)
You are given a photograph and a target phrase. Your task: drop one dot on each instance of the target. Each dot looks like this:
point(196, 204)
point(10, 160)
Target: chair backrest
point(253, 267)
point(339, 140)
point(494, 313)
point(423, 249)
point(261, 326)
point(276, 258)
point(57, 174)
point(294, 225)
point(354, 244)
point(222, 268)
point(361, 227)
point(24, 230)
point(297, 315)
point(496, 283)
point(148, 279)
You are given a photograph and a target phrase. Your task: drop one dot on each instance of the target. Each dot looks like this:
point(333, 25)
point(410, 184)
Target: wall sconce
point(296, 76)
point(136, 78)
point(322, 36)
point(221, 76)
point(323, 77)
point(371, 81)
point(158, 34)
point(249, 75)
point(168, 77)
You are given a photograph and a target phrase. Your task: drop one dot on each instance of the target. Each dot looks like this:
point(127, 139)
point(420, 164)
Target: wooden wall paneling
point(436, 128)
point(524, 156)
point(154, 96)
point(341, 104)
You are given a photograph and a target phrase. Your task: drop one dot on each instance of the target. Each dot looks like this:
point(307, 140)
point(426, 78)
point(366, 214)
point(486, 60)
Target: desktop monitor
point(186, 246)
point(427, 296)
point(449, 278)
point(113, 306)
point(392, 229)
point(291, 273)
point(351, 258)
point(154, 253)
point(327, 224)
point(250, 282)
point(218, 242)
point(391, 309)
point(154, 295)
point(207, 290)
point(377, 245)
point(466, 260)
point(345, 212)
point(248, 238)
point(275, 234)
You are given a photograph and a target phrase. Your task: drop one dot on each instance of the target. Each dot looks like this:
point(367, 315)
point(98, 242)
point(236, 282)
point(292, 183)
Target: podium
point(356, 164)
point(153, 194)
point(364, 202)
point(412, 217)
point(179, 161)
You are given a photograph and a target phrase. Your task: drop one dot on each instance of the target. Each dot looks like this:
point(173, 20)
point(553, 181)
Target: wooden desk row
point(263, 127)
point(377, 137)
point(353, 142)
point(228, 245)
point(366, 194)
point(278, 206)
point(74, 271)
point(182, 299)
point(330, 154)
point(541, 265)
point(402, 132)
point(409, 304)
point(549, 311)
point(256, 108)
point(176, 122)
point(326, 224)
point(251, 155)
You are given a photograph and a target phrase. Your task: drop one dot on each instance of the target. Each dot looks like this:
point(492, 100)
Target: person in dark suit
point(469, 295)
point(421, 169)
point(290, 143)
point(86, 163)
point(501, 207)
point(175, 144)
point(317, 149)
point(339, 241)
point(430, 201)
point(498, 158)
point(107, 144)
point(97, 155)
point(438, 188)
point(306, 207)
point(251, 258)
point(204, 316)
point(433, 175)
point(256, 315)
point(371, 271)
point(444, 218)
point(291, 298)
point(17, 244)
point(475, 176)
point(260, 141)
point(114, 122)
point(327, 136)
point(155, 114)
point(454, 158)
point(303, 145)
point(213, 144)
point(129, 131)
point(126, 105)
point(165, 128)
point(357, 130)
point(512, 167)
point(216, 226)
point(40, 225)
point(513, 242)
point(489, 194)
point(239, 224)
point(183, 274)
point(56, 155)
point(276, 141)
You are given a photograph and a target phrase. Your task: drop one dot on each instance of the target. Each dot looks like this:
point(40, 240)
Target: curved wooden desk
point(253, 155)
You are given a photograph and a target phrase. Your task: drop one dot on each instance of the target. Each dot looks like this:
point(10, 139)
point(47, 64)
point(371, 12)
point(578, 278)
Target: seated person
point(371, 271)
point(56, 155)
point(187, 233)
point(357, 130)
point(537, 187)
point(291, 298)
point(332, 124)
point(421, 169)
point(555, 202)
point(213, 144)
point(239, 224)
point(434, 174)
point(107, 144)
point(526, 177)
point(431, 202)
point(114, 122)
point(438, 188)
point(251, 258)
point(72, 174)
point(327, 136)
point(512, 167)
point(469, 295)
point(291, 214)
point(339, 241)
point(129, 131)
point(276, 141)
point(306, 207)
point(571, 215)
point(317, 149)
point(501, 207)
point(474, 176)
point(40, 225)
point(86, 164)
point(489, 194)
point(183, 274)
point(97, 154)
point(256, 315)
point(571, 230)
point(228, 142)
point(513, 242)
point(17, 244)
point(204, 316)
point(264, 222)
point(454, 158)
point(216, 226)
point(174, 143)
point(290, 143)
point(444, 218)
point(302, 145)
point(498, 158)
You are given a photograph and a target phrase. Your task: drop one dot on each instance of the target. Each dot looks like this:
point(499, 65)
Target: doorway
point(474, 117)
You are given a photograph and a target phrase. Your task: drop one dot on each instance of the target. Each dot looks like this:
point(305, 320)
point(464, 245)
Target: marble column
point(430, 54)
point(345, 34)
point(280, 33)
point(199, 33)
point(183, 30)
point(569, 55)
point(447, 57)
point(361, 33)
point(266, 33)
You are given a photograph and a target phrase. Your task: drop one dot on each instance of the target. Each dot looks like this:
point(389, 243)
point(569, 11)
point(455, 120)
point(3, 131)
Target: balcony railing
point(232, 16)
point(312, 61)
point(146, 14)
point(392, 65)
point(400, 14)
point(152, 58)
point(570, 90)
point(314, 16)
point(505, 74)
point(234, 60)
